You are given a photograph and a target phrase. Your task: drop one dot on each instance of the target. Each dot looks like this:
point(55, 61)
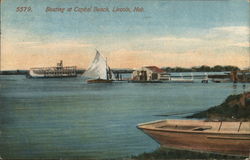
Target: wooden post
point(239, 126)
point(220, 126)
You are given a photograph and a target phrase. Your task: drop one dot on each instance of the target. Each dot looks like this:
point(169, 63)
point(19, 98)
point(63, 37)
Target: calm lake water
point(67, 118)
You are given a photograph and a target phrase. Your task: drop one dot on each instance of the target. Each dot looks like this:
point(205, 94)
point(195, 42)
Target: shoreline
point(162, 153)
point(235, 108)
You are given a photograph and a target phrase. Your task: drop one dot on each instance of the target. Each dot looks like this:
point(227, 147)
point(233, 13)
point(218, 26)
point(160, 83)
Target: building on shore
point(150, 73)
point(240, 76)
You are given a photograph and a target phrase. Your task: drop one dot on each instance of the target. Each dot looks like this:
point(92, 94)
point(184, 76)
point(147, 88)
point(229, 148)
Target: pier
point(239, 76)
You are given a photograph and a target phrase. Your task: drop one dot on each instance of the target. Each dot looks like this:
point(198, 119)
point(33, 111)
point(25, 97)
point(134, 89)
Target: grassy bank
point(234, 108)
point(166, 153)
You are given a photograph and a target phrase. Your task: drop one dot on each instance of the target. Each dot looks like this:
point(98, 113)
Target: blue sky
point(167, 33)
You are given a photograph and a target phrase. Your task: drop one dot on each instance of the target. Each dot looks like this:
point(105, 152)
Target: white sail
point(99, 69)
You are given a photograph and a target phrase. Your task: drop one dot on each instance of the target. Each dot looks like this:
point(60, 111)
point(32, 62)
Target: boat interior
point(197, 126)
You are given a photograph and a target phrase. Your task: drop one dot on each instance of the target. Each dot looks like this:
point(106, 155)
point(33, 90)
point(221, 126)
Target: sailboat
point(99, 71)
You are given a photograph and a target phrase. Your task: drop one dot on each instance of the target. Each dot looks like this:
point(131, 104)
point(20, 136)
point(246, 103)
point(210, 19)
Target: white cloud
point(69, 44)
point(215, 38)
point(243, 44)
point(24, 39)
point(234, 30)
point(176, 39)
point(220, 45)
point(234, 36)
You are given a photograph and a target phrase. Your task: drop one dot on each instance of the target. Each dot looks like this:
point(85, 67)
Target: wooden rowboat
point(231, 138)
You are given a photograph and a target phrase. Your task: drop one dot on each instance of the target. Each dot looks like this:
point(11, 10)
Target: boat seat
point(202, 128)
point(181, 127)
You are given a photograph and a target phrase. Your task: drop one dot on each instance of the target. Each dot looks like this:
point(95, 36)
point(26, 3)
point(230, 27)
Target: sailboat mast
point(107, 70)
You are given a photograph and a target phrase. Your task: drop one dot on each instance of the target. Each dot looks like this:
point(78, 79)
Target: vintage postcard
point(125, 79)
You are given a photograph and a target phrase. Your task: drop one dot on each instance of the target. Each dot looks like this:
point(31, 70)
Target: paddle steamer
point(53, 72)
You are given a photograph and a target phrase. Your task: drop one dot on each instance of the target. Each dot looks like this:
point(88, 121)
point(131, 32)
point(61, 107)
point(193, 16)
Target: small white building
point(150, 73)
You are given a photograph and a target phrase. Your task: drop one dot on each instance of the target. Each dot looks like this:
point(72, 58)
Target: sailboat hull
point(99, 81)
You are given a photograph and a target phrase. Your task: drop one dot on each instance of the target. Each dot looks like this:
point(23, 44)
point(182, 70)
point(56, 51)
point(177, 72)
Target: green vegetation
point(14, 72)
point(165, 153)
point(202, 68)
point(234, 108)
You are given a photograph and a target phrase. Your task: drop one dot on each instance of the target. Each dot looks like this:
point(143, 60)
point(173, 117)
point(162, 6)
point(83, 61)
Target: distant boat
point(53, 72)
point(205, 79)
point(221, 80)
point(99, 71)
point(231, 138)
